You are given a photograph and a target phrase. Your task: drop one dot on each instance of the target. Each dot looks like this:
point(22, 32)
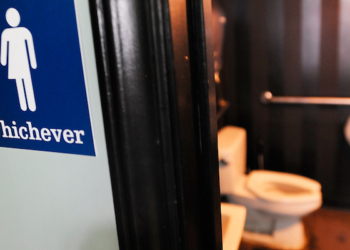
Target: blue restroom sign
point(43, 96)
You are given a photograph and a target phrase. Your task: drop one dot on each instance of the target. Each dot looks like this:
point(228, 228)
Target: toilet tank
point(232, 147)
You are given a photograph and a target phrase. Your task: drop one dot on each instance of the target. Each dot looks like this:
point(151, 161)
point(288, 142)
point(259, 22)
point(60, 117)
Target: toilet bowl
point(275, 201)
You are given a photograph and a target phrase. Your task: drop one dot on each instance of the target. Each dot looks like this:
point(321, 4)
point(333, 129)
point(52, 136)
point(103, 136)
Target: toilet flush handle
point(222, 163)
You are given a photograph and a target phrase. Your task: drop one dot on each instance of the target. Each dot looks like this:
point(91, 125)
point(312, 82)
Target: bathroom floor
point(327, 229)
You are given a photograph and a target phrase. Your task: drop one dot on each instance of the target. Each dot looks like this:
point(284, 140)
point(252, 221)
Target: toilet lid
point(283, 187)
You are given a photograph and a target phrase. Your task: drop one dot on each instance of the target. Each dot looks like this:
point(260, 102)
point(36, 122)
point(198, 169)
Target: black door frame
point(155, 65)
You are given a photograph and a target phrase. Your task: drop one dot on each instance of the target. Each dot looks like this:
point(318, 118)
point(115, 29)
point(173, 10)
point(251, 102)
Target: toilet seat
point(243, 196)
point(279, 187)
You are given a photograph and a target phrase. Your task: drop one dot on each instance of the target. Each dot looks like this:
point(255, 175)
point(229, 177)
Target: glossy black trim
point(205, 120)
point(162, 151)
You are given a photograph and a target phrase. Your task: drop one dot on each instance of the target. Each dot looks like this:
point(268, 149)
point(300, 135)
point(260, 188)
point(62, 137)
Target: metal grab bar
point(267, 98)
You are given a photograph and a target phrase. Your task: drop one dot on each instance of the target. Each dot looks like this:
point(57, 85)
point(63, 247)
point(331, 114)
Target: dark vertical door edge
point(160, 122)
point(205, 120)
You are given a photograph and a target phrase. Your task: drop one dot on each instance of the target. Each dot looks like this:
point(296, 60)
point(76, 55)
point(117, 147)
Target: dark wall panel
point(259, 69)
point(275, 27)
point(292, 75)
point(327, 126)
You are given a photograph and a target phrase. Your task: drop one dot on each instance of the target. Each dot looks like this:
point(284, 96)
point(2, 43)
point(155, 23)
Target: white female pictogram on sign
point(14, 42)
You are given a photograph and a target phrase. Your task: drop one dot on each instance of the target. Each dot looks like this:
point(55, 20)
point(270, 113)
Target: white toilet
point(275, 201)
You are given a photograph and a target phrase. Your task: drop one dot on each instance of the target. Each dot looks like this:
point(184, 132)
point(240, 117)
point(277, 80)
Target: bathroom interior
point(284, 152)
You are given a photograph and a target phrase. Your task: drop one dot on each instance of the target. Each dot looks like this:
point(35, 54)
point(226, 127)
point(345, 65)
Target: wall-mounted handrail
point(267, 98)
